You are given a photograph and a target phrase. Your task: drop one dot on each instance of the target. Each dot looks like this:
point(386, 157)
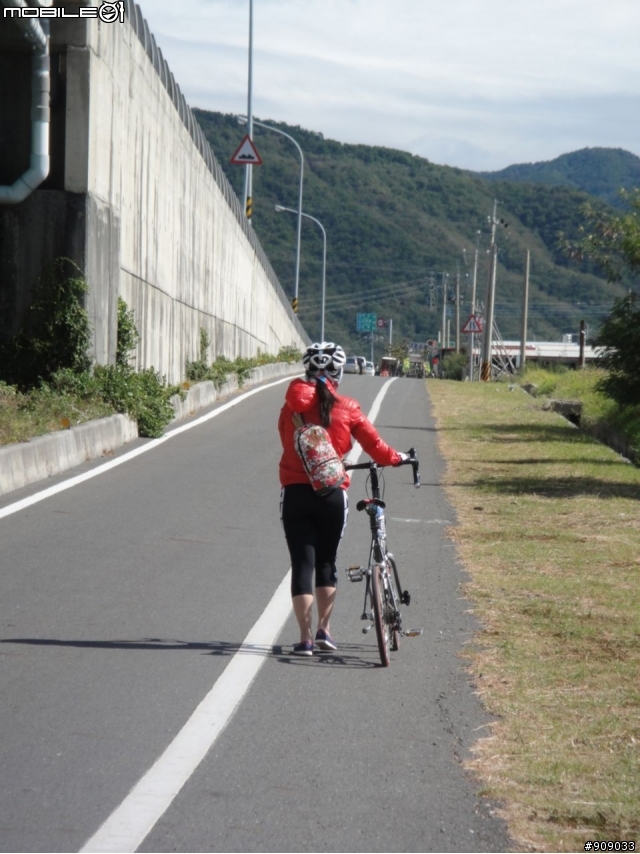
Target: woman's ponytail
point(327, 401)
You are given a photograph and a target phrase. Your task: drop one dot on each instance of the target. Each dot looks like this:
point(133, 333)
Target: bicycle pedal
point(355, 573)
point(406, 598)
point(413, 633)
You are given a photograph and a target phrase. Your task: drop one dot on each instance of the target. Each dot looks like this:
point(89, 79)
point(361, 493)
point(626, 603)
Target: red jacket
point(347, 420)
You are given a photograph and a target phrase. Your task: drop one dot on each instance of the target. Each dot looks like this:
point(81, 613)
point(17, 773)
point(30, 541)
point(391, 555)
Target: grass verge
point(549, 531)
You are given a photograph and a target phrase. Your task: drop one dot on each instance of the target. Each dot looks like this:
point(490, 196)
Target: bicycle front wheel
point(379, 613)
point(394, 603)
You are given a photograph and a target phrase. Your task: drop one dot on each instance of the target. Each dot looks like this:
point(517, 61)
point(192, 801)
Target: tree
point(619, 337)
point(613, 242)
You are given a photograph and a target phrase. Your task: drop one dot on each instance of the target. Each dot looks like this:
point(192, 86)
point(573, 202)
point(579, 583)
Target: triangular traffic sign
point(473, 324)
point(246, 152)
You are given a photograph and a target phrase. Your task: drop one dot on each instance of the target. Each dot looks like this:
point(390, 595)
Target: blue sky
point(478, 84)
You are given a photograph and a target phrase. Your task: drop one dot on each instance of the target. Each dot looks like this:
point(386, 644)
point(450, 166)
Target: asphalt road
point(124, 599)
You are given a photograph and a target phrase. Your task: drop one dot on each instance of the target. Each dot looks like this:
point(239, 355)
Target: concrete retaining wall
point(55, 453)
point(163, 229)
point(138, 200)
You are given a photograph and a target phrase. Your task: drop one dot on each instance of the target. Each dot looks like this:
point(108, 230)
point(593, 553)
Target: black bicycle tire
point(377, 596)
point(394, 582)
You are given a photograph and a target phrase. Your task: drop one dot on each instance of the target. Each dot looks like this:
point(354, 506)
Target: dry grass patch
point(548, 530)
point(23, 416)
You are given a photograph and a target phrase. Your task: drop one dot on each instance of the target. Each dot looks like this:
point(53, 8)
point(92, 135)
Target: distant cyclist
point(314, 524)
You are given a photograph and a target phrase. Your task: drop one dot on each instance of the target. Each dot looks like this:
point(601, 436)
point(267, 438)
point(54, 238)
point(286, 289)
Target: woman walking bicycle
point(313, 522)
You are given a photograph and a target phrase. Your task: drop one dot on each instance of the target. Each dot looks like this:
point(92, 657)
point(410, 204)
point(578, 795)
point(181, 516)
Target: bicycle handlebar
point(411, 461)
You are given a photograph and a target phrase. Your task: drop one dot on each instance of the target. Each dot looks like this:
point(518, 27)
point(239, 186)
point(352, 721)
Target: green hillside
point(601, 172)
point(396, 227)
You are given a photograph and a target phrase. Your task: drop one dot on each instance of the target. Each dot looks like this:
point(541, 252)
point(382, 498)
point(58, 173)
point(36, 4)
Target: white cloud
point(474, 83)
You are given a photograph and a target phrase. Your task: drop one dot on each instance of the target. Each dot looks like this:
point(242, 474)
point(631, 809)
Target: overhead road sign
point(246, 153)
point(366, 322)
point(473, 325)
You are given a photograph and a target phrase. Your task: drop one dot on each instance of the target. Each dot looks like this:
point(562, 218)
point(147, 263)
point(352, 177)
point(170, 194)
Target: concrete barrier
point(44, 456)
point(29, 462)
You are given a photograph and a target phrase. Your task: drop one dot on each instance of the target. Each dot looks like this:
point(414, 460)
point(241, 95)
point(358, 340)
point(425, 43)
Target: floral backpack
point(322, 464)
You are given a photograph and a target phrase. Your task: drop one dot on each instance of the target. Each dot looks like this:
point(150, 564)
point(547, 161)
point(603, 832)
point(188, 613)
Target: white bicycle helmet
point(325, 357)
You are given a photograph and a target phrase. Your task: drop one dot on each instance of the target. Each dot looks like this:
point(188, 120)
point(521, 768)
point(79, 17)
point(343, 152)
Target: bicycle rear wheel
point(379, 613)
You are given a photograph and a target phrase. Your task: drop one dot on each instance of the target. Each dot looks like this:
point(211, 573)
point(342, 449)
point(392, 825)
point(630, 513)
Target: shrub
point(128, 335)
point(144, 396)
point(454, 366)
point(289, 354)
point(55, 334)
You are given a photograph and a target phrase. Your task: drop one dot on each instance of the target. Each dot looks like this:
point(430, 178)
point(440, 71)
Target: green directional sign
point(366, 322)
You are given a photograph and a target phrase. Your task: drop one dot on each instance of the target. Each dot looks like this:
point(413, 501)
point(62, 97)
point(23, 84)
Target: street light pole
point(324, 259)
point(243, 119)
point(248, 175)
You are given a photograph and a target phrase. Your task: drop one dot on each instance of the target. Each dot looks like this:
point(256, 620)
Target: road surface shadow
point(349, 655)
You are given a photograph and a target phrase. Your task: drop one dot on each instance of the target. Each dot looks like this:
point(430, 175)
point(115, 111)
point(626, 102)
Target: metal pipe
point(36, 34)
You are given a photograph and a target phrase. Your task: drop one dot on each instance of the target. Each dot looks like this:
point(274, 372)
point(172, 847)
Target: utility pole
point(472, 343)
point(458, 308)
point(444, 310)
point(487, 342)
point(525, 311)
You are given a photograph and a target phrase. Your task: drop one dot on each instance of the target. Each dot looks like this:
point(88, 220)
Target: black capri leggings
point(313, 526)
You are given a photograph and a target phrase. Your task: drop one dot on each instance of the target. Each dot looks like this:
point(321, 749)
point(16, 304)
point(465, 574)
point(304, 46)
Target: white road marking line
point(128, 826)
point(131, 822)
point(154, 443)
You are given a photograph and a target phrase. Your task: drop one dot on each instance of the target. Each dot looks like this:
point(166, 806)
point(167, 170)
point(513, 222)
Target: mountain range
point(401, 231)
point(600, 172)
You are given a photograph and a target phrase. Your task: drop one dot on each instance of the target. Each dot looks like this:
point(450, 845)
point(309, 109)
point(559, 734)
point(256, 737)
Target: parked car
point(351, 365)
point(369, 369)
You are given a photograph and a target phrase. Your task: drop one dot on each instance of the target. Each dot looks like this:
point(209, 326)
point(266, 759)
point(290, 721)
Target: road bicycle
point(383, 594)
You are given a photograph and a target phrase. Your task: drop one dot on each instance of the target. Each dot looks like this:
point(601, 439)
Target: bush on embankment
point(611, 422)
